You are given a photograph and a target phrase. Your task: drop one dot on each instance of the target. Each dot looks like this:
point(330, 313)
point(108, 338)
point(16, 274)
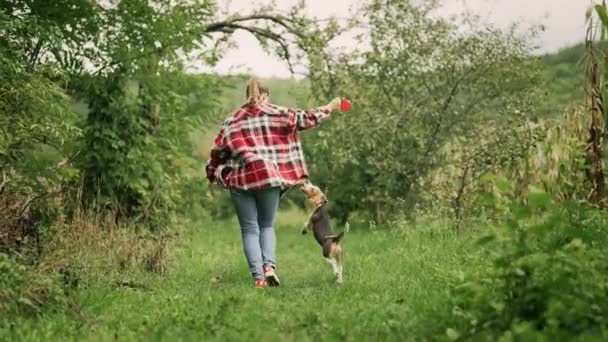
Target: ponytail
point(254, 93)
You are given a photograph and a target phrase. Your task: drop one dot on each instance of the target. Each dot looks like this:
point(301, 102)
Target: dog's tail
point(339, 237)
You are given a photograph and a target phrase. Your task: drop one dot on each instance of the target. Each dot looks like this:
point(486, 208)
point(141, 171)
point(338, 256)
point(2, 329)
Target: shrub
point(27, 290)
point(549, 277)
point(141, 165)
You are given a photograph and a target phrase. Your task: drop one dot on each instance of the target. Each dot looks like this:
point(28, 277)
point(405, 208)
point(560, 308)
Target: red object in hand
point(345, 105)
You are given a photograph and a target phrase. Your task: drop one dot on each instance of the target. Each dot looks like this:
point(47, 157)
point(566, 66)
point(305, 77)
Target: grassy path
point(394, 290)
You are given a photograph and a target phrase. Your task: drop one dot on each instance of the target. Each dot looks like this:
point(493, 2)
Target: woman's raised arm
point(309, 118)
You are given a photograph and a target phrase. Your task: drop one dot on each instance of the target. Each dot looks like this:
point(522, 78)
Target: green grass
point(395, 288)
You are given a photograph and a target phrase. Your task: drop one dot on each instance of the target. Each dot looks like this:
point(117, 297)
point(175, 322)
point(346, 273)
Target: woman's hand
point(334, 104)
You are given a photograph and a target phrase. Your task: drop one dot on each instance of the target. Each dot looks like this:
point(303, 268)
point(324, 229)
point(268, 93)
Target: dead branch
point(457, 200)
point(4, 182)
point(30, 201)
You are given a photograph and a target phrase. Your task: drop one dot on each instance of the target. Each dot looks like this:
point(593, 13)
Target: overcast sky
point(563, 20)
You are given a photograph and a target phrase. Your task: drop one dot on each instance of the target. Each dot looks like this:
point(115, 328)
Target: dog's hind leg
point(334, 265)
point(339, 262)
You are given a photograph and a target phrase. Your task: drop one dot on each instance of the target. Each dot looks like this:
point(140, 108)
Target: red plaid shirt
point(260, 148)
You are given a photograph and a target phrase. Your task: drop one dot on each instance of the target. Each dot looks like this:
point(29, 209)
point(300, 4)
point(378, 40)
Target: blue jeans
point(256, 210)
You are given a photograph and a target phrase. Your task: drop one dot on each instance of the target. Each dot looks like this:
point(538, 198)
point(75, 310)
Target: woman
point(258, 155)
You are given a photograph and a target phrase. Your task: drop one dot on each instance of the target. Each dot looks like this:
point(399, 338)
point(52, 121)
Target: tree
point(36, 125)
point(124, 61)
point(422, 82)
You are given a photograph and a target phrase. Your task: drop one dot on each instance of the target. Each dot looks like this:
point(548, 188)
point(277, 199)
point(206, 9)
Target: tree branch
point(260, 32)
point(36, 52)
point(229, 26)
point(4, 182)
point(29, 202)
point(277, 19)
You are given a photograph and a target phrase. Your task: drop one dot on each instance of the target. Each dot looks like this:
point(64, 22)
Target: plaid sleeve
point(217, 158)
point(305, 119)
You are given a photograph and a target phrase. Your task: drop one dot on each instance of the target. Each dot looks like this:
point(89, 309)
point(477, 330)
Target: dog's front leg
point(308, 224)
point(306, 229)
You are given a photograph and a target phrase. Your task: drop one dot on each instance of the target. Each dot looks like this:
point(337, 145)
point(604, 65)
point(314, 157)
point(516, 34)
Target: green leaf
point(486, 239)
point(602, 13)
point(452, 334)
point(503, 184)
point(27, 302)
point(537, 198)
point(498, 306)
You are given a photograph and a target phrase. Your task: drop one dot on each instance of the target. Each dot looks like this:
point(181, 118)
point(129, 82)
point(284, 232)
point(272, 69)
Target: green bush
point(549, 278)
point(37, 125)
point(25, 290)
point(138, 156)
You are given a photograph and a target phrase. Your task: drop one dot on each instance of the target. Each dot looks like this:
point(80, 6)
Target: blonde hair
point(255, 90)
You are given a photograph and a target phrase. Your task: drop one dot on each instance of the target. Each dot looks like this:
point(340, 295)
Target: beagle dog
point(319, 223)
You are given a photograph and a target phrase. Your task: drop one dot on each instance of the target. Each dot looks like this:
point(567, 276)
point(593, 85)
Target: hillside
point(564, 76)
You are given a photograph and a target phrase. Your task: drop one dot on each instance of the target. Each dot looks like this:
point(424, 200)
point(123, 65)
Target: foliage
point(550, 153)
point(36, 131)
point(124, 63)
point(500, 148)
point(595, 69)
point(558, 161)
point(548, 278)
point(34, 110)
point(422, 83)
point(96, 109)
point(93, 249)
point(136, 153)
point(146, 168)
point(25, 290)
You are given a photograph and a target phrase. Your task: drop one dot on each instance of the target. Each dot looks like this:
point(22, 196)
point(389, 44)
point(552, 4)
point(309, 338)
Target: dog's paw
point(304, 231)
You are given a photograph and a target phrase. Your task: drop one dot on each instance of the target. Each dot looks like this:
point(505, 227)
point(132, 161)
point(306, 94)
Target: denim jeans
point(256, 211)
